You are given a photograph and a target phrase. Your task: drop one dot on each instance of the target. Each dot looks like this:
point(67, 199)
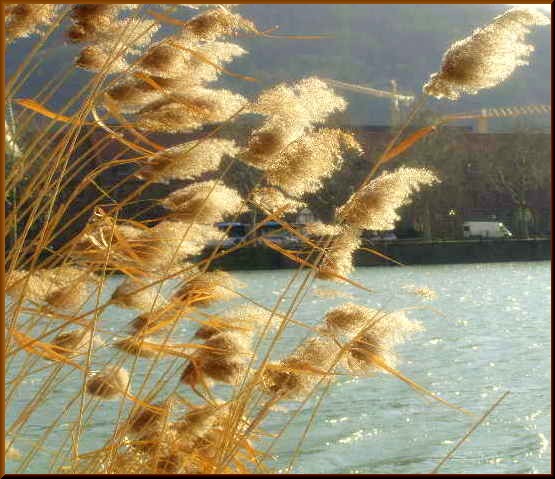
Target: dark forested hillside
point(368, 45)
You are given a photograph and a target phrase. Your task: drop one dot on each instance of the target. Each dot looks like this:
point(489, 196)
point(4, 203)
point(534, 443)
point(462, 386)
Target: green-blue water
point(494, 335)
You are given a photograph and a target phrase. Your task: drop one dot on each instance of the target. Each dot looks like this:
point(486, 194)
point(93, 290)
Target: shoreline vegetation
point(191, 381)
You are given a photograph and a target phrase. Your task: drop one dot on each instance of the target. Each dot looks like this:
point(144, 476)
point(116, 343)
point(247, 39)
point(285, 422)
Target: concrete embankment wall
point(405, 252)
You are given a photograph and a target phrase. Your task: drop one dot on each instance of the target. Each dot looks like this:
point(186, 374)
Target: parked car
point(485, 229)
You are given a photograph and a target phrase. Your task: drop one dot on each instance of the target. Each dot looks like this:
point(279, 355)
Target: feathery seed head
point(349, 318)
point(271, 199)
point(138, 294)
point(486, 58)
point(295, 376)
point(206, 202)
point(188, 160)
point(108, 384)
point(225, 360)
point(338, 257)
point(302, 165)
point(95, 58)
point(64, 287)
point(375, 206)
point(144, 420)
point(379, 339)
point(75, 342)
point(321, 229)
point(206, 288)
point(190, 110)
point(216, 23)
point(26, 19)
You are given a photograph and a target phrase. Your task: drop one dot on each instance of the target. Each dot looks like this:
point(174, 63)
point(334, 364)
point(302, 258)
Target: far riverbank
point(406, 252)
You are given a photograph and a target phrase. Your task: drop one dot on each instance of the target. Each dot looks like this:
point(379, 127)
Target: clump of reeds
point(61, 303)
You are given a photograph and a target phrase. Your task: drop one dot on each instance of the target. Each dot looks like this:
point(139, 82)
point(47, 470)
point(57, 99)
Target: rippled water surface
point(487, 332)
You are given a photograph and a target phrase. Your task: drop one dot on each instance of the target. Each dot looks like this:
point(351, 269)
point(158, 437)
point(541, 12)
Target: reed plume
point(64, 287)
point(215, 23)
point(225, 359)
point(76, 342)
point(188, 160)
point(27, 19)
point(138, 294)
point(375, 206)
point(337, 259)
point(189, 110)
point(206, 202)
point(376, 344)
point(245, 317)
point(108, 384)
point(206, 288)
point(302, 165)
point(289, 111)
point(295, 376)
point(274, 200)
point(110, 38)
point(486, 58)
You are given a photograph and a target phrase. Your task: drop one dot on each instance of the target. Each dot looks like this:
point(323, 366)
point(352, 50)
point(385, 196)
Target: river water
point(487, 332)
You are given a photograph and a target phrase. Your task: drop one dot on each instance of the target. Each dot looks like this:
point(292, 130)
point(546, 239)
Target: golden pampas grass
point(11, 453)
point(206, 288)
point(320, 229)
point(188, 160)
point(190, 62)
point(110, 38)
point(225, 360)
point(64, 287)
point(95, 58)
point(201, 419)
point(108, 384)
point(289, 111)
point(307, 102)
point(337, 259)
point(158, 321)
point(190, 110)
point(349, 318)
point(377, 341)
point(486, 58)
point(144, 420)
point(138, 346)
point(205, 202)
point(210, 25)
point(294, 377)
point(70, 298)
point(272, 199)
point(99, 23)
point(76, 342)
point(246, 317)
point(138, 294)
point(173, 241)
point(302, 165)
point(26, 19)
point(133, 94)
point(375, 206)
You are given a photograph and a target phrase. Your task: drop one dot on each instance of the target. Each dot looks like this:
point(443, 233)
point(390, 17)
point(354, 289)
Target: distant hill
point(370, 45)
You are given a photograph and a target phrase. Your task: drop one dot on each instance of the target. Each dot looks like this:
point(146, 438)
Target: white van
point(485, 229)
